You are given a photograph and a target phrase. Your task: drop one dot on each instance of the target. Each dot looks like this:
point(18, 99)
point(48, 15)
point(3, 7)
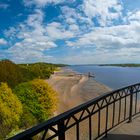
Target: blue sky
point(72, 32)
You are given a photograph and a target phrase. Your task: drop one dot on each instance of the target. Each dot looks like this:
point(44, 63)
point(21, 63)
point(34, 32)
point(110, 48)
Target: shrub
point(10, 110)
point(38, 99)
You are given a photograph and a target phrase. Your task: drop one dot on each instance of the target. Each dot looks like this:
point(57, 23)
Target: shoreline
point(74, 89)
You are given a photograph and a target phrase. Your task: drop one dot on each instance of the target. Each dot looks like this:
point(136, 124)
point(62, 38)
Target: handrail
point(112, 104)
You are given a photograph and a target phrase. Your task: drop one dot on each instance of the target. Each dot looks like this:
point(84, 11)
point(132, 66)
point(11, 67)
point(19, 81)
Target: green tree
point(13, 74)
point(38, 99)
point(10, 110)
point(46, 96)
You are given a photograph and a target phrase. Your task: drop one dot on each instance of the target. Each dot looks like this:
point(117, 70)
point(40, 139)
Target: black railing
point(91, 120)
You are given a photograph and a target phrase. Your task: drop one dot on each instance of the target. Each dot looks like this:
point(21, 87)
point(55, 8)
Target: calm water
point(113, 77)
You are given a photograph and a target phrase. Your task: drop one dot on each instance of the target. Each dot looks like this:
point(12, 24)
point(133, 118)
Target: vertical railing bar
point(131, 104)
point(90, 128)
point(125, 108)
point(99, 116)
point(61, 130)
point(77, 131)
point(136, 103)
point(138, 107)
point(119, 110)
point(106, 125)
point(113, 116)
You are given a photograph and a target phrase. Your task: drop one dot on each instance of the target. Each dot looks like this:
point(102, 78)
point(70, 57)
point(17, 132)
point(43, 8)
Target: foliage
point(38, 99)
point(40, 70)
point(10, 110)
point(47, 97)
point(14, 74)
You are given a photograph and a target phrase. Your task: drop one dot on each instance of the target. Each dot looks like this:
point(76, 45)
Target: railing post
point(131, 105)
point(61, 130)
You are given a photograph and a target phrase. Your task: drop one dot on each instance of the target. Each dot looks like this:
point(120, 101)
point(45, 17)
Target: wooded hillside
point(25, 98)
point(14, 74)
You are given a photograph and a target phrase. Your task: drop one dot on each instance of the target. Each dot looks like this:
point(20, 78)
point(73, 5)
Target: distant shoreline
point(121, 65)
point(117, 65)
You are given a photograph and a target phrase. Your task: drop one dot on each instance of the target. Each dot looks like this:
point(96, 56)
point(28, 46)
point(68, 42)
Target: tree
point(10, 110)
point(13, 74)
point(46, 96)
point(38, 99)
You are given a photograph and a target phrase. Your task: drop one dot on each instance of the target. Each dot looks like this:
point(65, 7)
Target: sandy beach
point(74, 89)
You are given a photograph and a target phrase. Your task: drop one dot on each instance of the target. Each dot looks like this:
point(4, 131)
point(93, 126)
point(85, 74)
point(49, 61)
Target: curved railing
point(91, 120)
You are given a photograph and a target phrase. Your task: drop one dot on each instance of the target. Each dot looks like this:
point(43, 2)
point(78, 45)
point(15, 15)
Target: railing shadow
point(121, 137)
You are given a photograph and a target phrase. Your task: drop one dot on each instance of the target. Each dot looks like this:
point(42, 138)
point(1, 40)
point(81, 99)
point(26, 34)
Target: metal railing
point(91, 120)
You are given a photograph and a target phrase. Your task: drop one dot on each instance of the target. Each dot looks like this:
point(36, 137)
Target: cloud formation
point(111, 37)
point(88, 31)
point(104, 10)
point(32, 38)
point(43, 3)
point(56, 31)
point(3, 41)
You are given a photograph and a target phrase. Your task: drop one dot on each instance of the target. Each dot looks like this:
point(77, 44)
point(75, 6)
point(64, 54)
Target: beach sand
point(74, 89)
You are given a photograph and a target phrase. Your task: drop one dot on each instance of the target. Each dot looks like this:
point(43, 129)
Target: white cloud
point(33, 33)
point(104, 10)
point(31, 39)
point(109, 44)
point(42, 3)
point(88, 56)
point(74, 28)
point(34, 37)
point(3, 41)
point(75, 20)
point(29, 56)
point(77, 27)
point(134, 16)
point(75, 15)
point(56, 31)
point(110, 37)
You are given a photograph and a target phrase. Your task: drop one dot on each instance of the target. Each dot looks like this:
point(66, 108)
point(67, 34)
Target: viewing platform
point(126, 131)
point(114, 115)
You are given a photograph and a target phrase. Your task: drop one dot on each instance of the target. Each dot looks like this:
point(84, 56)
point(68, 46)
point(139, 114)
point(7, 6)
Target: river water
point(112, 76)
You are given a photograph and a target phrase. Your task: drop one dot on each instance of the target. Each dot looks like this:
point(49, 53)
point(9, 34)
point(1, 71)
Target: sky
point(70, 31)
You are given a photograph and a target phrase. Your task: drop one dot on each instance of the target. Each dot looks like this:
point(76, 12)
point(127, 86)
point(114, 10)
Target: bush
point(38, 99)
point(10, 110)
